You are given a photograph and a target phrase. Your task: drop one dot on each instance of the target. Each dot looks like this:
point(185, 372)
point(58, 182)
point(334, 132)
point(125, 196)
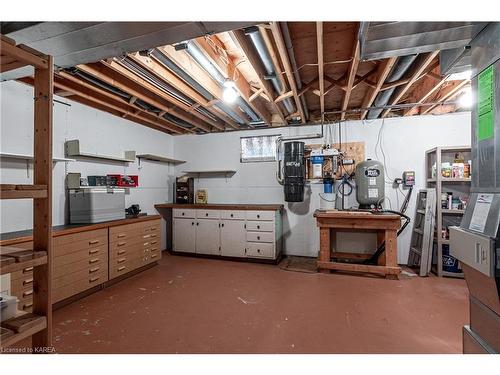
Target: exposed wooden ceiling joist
point(421, 66)
point(426, 95)
point(242, 41)
point(280, 44)
point(351, 76)
point(321, 73)
point(383, 71)
point(447, 94)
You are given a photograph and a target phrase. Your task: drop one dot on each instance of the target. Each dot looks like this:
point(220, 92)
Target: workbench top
point(11, 238)
point(224, 206)
point(338, 214)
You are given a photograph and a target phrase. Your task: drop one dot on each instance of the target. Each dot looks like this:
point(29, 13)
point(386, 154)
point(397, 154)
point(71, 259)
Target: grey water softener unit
point(476, 243)
point(294, 171)
point(370, 187)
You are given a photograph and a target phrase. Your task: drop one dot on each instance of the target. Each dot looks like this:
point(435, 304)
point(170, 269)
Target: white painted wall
point(404, 142)
point(98, 132)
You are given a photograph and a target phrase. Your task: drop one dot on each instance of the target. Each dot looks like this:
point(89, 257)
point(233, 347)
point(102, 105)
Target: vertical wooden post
point(42, 208)
point(324, 246)
point(391, 250)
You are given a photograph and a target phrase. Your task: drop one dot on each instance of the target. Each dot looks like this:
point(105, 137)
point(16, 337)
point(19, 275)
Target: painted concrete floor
point(194, 305)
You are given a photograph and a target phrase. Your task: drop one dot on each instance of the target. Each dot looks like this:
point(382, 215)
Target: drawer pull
point(27, 269)
point(121, 235)
point(183, 214)
point(27, 281)
point(153, 255)
point(92, 279)
point(258, 237)
point(258, 216)
point(95, 269)
point(121, 260)
point(232, 215)
point(154, 228)
point(27, 305)
point(93, 251)
point(120, 252)
point(153, 235)
point(27, 293)
point(258, 226)
point(192, 223)
point(121, 244)
point(146, 236)
point(206, 214)
point(121, 268)
point(95, 260)
point(154, 242)
point(93, 242)
point(145, 243)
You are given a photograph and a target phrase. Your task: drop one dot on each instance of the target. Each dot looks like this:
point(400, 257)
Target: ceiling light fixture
point(229, 94)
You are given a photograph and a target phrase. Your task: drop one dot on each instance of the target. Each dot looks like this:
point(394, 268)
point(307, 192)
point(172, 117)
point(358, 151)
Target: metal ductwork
point(261, 48)
point(293, 63)
point(194, 51)
point(89, 78)
point(191, 82)
point(397, 73)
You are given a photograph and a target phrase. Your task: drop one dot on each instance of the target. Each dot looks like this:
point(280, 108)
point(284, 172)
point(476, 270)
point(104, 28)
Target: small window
point(260, 148)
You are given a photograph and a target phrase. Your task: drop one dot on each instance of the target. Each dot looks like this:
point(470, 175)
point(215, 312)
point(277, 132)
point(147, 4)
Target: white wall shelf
point(158, 158)
point(10, 155)
point(73, 149)
point(210, 171)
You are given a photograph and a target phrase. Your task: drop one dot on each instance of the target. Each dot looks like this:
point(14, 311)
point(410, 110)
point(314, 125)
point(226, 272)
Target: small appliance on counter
point(96, 204)
point(133, 211)
point(201, 196)
point(184, 190)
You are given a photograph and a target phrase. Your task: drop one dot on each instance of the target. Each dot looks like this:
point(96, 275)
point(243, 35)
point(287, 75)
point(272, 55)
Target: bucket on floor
point(450, 264)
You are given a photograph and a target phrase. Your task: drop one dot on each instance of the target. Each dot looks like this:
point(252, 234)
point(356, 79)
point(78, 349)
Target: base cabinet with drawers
point(229, 233)
point(89, 258)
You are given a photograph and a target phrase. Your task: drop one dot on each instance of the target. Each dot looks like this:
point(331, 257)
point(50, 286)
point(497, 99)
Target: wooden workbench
point(384, 225)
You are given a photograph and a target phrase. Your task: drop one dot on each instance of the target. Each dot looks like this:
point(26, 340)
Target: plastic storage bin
point(95, 205)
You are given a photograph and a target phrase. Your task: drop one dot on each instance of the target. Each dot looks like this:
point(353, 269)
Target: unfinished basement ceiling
point(287, 73)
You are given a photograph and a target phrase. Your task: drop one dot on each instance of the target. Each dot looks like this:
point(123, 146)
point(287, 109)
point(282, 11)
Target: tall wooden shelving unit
point(37, 325)
point(438, 155)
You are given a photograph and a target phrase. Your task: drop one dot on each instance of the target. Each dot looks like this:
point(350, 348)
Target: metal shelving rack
point(37, 325)
point(432, 156)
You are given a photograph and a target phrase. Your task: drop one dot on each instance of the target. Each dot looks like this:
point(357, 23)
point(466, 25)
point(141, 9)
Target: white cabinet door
point(233, 238)
point(207, 236)
point(184, 235)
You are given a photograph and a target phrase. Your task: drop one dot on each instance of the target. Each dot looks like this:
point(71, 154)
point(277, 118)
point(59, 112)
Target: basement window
point(259, 148)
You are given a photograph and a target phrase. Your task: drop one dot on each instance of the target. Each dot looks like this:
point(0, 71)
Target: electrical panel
point(409, 178)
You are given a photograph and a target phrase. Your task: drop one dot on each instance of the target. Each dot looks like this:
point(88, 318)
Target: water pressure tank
point(294, 171)
point(370, 184)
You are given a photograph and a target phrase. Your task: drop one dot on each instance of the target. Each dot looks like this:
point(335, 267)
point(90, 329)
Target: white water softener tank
point(370, 184)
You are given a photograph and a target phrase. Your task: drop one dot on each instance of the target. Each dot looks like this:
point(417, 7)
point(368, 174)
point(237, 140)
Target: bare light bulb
point(229, 94)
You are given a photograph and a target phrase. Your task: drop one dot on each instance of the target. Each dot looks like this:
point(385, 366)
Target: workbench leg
point(324, 247)
point(391, 251)
point(380, 239)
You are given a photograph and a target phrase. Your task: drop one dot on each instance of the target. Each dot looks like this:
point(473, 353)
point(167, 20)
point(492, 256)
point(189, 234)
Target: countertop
point(338, 214)
point(60, 230)
point(224, 206)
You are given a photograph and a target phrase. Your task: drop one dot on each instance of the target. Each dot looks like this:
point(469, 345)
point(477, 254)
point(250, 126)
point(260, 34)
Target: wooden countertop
point(11, 238)
point(224, 206)
point(336, 214)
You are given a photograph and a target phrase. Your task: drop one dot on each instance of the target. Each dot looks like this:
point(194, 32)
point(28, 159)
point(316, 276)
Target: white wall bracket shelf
point(73, 150)
point(159, 158)
point(9, 155)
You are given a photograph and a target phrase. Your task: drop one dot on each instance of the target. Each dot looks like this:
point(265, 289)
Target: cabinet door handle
point(183, 214)
point(93, 242)
point(258, 226)
point(197, 224)
point(258, 250)
point(27, 281)
point(258, 216)
point(232, 215)
point(192, 223)
point(92, 279)
point(93, 260)
point(222, 224)
point(206, 213)
point(258, 237)
point(95, 269)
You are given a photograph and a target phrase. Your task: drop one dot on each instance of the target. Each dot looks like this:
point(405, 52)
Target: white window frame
point(257, 159)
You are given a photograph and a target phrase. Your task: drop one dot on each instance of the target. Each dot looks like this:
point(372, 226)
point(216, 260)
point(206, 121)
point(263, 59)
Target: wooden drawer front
point(208, 214)
point(134, 248)
point(22, 283)
point(184, 213)
point(152, 226)
point(70, 278)
point(22, 274)
point(80, 255)
point(24, 292)
point(65, 249)
point(89, 235)
point(260, 250)
point(90, 262)
point(260, 226)
point(233, 215)
point(130, 264)
point(63, 292)
point(260, 215)
point(154, 254)
point(25, 304)
point(260, 237)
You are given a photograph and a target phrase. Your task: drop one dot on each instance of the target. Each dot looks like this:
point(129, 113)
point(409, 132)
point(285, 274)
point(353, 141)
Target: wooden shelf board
point(9, 155)
point(159, 158)
point(449, 179)
point(452, 211)
point(10, 191)
point(35, 327)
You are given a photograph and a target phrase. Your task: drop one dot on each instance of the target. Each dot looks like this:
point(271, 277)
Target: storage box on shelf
point(230, 232)
point(449, 177)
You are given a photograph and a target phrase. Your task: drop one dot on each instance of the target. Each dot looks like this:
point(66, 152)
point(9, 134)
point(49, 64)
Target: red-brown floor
point(192, 305)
